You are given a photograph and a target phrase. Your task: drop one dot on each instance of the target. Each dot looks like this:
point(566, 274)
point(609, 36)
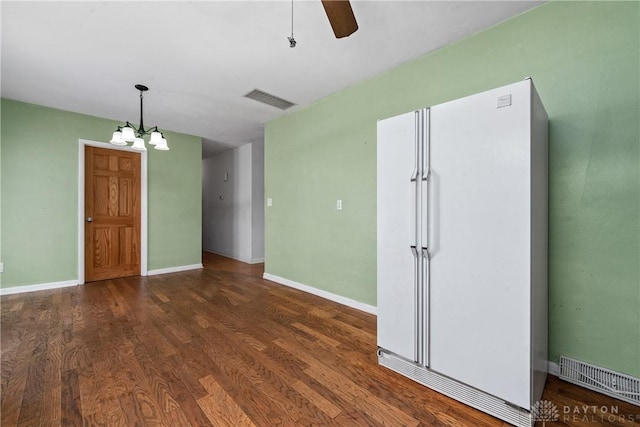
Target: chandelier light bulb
point(116, 139)
point(162, 145)
point(138, 144)
point(156, 138)
point(127, 134)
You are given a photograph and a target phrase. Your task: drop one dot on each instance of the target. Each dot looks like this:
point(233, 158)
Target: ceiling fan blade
point(341, 17)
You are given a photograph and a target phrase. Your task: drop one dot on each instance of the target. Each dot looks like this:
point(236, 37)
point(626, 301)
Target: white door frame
point(82, 143)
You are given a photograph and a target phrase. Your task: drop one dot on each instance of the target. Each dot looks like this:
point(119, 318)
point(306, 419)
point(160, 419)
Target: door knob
point(89, 219)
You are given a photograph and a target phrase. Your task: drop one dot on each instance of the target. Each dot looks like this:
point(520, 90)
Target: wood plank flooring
point(219, 346)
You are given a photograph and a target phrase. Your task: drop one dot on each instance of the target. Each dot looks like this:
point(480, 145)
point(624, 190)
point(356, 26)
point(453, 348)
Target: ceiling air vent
point(265, 98)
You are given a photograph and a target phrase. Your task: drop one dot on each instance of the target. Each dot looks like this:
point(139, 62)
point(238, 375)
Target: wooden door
point(112, 214)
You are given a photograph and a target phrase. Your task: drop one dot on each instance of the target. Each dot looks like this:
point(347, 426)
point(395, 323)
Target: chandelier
point(129, 133)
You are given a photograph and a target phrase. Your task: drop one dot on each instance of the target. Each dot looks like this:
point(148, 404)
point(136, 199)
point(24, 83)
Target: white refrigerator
point(462, 248)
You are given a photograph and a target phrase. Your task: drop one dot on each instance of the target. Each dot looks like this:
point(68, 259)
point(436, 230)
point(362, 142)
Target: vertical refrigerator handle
point(417, 289)
point(416, 294)
point(426, 153)
point(424, 300)
point(416, 168)
point(424, 238)
point(426, 176)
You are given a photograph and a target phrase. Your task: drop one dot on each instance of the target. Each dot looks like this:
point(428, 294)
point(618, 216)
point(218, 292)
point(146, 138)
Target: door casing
point(82, 143)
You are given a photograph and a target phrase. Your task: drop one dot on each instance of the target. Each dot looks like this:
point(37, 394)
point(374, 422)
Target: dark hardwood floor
point(219, 346)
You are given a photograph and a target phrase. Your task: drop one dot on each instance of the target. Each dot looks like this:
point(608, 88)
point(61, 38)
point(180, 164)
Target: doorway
point(112, 206)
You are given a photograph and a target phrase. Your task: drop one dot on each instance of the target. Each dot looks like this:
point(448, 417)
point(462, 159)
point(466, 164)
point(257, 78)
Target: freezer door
point(479, 223)
point(398, 176)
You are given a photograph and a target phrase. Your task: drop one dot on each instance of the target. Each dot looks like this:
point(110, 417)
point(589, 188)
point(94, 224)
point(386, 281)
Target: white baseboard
point(324, 294)
point(174, 269)
point(553, 368)
point(38, 287)
point(245, 260)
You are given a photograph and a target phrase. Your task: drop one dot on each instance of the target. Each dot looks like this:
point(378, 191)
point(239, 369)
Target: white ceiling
point(200, 58)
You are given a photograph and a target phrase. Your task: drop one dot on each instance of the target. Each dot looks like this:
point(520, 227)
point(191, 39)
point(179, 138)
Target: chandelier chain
point(292, 41)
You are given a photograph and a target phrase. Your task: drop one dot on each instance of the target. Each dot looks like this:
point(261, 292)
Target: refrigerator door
point(398, 170)
point(479, 223)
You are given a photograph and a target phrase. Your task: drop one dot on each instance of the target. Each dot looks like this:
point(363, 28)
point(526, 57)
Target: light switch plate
point(339, 205)
point(504, 101)
point(269, 202)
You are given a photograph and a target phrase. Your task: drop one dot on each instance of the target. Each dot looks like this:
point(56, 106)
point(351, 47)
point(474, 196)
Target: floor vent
point(614, 384)
point(265, 98)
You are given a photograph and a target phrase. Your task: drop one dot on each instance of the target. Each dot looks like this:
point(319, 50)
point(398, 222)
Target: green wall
point(584, 60)
point(39, 175)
